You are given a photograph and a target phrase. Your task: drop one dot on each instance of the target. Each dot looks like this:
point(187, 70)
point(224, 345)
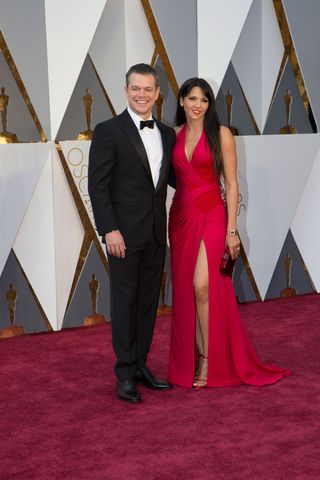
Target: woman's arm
point(229, 155)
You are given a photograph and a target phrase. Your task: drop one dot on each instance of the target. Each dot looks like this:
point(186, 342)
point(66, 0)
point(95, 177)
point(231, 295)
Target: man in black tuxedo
point(129, 164)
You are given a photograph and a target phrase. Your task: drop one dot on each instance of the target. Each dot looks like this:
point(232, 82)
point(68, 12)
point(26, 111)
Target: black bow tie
point(146, 123)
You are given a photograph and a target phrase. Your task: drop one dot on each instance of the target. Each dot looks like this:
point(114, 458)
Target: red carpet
point(60, 418)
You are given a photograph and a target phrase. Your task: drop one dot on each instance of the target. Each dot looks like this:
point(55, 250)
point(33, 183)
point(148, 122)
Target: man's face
point(142, 94)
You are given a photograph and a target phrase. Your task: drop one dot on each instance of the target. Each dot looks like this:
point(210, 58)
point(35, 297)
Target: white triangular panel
point(70, 28)
point(219, 27)
point(139, 42)
point(306, 223)
point(122, 39)
point(108, 52)
point(68, 236)
point(20, 169)
point(249, 48)
point(35, 246)
point(76, 154)
point(273, 171)
point(23, 27)
point(258, 56)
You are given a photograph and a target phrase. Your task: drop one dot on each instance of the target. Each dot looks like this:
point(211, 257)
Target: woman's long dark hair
point(211, 121)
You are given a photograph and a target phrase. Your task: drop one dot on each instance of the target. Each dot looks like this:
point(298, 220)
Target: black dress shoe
point(144, 376)
point(127, 391)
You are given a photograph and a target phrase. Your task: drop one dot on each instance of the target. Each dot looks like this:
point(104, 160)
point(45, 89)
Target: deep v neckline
point(184, 145)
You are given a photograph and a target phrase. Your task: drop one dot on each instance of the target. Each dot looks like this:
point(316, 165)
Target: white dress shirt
point(151, 138)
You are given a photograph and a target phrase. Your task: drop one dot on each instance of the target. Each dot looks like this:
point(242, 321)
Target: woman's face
point(195, 104)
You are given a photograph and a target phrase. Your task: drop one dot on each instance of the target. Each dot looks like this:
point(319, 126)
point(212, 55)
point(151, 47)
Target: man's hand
point(115, 244)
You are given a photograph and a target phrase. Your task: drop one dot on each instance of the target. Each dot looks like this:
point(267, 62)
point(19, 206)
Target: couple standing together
point(129, 169)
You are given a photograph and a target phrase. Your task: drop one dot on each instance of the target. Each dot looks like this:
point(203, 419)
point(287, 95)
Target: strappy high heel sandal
point(200, 382)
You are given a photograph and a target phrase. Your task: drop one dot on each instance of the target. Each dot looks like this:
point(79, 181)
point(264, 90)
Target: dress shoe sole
point(147, 385)
point(130, 400)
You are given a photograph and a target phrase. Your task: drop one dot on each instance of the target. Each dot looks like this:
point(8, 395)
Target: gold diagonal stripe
point(90, 235)
point(252, 118)
point(85, 247)
point(155, 32)
point(85, 219)
point(304, 265)
point(114, 113)
point(246, 264)
point(290, 52)
point(154, 57)
point(282, 67)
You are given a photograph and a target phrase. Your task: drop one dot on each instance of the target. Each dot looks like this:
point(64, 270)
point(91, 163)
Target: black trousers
point(135, 285)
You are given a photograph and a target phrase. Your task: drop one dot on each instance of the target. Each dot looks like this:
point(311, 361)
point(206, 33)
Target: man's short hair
point(142, 69)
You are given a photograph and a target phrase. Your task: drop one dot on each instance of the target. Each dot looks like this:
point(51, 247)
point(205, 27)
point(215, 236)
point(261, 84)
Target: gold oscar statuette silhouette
point(13, 330)
point(163, 309)
point(5, 136)
point(87, 102)
point(229, 102)
point(159, 106)
point(288, 129)
point(288, 291)
point(95, 318)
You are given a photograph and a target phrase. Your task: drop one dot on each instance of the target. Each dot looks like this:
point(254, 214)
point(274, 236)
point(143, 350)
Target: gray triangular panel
point(303, 20)
point(74, 120)
point(241, 119)
point(19, 120)
point(81, 304)
point(300, 281)
point(27, 312)
point(23, 25)
point(241, 283)
point(277, 115)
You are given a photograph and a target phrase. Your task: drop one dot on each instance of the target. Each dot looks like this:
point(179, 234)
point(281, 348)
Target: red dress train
point(197, 213)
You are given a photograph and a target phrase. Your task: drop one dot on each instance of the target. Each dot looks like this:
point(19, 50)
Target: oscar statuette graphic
point(87, 102)
point(288, 291)
point(95, 318)
point(5, 136)
point(229, 102)
point(163, 309)
point(288, 129)
point(13, 330)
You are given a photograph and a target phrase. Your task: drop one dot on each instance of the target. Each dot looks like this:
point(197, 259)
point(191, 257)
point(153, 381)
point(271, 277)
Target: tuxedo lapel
point(132, 133)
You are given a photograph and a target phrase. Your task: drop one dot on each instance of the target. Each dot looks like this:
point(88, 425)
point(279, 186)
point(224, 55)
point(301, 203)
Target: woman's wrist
point(232, 232)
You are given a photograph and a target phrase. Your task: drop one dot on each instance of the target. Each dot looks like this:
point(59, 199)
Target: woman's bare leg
point(201, 291)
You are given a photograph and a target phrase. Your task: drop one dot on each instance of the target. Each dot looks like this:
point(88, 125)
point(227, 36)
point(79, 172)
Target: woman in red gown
point(206, 327)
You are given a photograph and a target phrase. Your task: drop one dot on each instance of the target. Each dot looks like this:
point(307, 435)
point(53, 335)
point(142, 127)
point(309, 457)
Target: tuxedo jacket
point(120, 183)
